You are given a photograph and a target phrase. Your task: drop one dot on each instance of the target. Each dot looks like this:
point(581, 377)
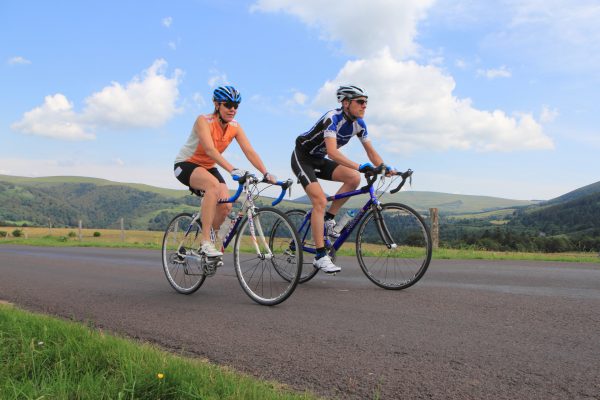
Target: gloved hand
point(365, 167)
point(389, 170)
point(237, 173)
point(269, 178)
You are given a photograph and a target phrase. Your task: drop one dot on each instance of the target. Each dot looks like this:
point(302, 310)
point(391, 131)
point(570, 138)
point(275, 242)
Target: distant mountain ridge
point(446, 203)
point(99, 202)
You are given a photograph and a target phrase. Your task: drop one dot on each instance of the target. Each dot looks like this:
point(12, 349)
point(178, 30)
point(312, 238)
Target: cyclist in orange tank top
point(195, 165)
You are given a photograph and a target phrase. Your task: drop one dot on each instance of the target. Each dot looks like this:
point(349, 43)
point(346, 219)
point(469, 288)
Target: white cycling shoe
point(330, 230)
point(210, 250)
point(326, 265)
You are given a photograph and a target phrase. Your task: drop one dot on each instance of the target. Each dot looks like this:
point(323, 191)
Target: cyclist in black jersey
point(317, 155)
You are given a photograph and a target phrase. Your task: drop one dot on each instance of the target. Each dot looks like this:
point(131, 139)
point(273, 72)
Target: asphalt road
point(468, 330)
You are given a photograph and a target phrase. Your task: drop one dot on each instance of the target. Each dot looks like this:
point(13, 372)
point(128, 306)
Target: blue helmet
point(227, 93)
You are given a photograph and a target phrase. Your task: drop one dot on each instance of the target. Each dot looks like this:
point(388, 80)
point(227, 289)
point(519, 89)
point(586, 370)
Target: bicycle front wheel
point(266, 268)
point(393, 246)
point(185, 274)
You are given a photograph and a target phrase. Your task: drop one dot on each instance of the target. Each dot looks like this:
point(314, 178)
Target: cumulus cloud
point(147, 101)
point(363, 27)
point(411, 106)
point(217, 78)
point(18, 60)
point(167, 21)
point(55, 118)
point(494, 73)
point(548, 114)
point(298, 98)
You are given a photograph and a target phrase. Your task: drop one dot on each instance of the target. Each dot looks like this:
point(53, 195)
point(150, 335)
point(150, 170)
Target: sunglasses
point(230, 104)
point(362, 102)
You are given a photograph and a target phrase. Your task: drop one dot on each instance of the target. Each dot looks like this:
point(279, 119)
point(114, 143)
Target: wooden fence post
point(435, 227)
point(122, 230)
point(80, 223)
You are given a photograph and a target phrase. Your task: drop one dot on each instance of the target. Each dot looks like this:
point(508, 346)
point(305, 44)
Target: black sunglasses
point(230, 104)
point(362, 102)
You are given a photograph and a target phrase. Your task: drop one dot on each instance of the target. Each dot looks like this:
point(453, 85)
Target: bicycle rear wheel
point(267, 277)
point(296, 217)
point(394, 251)
point(185, 274)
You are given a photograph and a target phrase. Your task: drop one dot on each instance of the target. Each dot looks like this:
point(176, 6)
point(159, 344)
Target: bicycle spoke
point(394, 267)
point(184, 275)
point(270, 276)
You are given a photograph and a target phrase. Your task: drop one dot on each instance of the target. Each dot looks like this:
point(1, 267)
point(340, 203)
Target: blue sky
point(497, 98)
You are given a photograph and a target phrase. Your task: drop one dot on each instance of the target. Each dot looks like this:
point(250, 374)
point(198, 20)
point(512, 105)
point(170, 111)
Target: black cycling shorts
point(184, 169)
point(308, 168)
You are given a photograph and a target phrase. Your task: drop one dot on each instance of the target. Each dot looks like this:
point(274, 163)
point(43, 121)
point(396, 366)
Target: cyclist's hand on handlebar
point(365, 167)
point(237, 173)
point(390, 171)
point(269, 178)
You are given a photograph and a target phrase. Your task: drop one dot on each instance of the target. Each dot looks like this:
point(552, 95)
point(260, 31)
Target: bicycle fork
point(382, 229)
point(254, 227)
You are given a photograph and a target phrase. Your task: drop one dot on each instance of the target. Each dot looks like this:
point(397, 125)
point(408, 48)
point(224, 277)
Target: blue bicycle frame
point(349, 228)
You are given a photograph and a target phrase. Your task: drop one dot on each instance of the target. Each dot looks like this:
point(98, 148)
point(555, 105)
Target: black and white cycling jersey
point(333, 124)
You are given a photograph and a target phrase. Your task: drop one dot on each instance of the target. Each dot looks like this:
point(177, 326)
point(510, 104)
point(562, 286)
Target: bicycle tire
point(394, 268)
point(267, 281)
point(296, 216)
point(184, 274)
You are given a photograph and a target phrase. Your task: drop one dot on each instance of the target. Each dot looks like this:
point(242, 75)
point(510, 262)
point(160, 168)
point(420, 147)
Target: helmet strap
point(347, 114)
point(218, 113)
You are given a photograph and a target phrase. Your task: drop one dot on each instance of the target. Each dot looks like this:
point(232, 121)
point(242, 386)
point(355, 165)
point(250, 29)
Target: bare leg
point(319, 202)
point(222, 209)
point(351, 180)
point(204, 180)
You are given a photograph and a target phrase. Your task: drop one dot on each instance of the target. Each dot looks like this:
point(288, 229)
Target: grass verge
point(48, 358)
point(113, 238)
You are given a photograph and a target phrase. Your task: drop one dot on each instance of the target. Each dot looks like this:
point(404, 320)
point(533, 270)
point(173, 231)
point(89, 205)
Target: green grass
point(346, 250)
point(47, 358)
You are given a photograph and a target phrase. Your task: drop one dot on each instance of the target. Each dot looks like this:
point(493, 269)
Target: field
point(153, 240)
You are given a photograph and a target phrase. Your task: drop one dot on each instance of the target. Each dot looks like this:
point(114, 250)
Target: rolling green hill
point(446, 203)
point(98, 203)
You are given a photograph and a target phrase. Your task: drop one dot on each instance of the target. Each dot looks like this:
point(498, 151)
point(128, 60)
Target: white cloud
point(548, 115)
point(145, 102)
point(18, 60)
point(55, 118)
point(364, 27)
point(494, 73)
point(217, 78)
point(413, 107)
point(298, 98)
point(167, 21)
point(172, 45)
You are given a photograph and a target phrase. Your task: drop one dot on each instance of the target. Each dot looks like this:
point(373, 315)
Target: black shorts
point(184, 169)
point(308, 168)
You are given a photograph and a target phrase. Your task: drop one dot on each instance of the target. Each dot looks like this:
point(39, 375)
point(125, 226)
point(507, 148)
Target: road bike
point(260, 266)
point(393, 241)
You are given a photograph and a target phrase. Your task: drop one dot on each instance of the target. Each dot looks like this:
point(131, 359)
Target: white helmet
point(350, 92)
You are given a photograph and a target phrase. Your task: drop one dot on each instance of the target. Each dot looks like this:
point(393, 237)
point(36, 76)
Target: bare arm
point(249, 151)
point(203, 131)
point(372, 154)
point(336, 155)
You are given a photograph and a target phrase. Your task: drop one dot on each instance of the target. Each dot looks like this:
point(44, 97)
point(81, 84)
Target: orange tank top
point(221, 139)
